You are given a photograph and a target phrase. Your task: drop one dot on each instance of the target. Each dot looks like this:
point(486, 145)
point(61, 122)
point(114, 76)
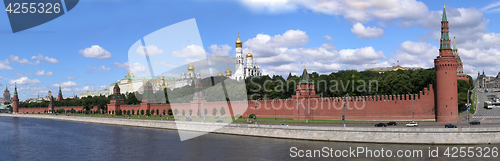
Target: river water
point(43, 139)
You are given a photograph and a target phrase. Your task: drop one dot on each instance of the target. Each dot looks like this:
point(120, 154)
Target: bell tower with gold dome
point(239, 68)
point(239, 53)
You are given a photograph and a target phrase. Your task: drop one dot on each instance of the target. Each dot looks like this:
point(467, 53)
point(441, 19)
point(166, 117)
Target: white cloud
point(493, 7)
point(95, 51)
point(163, 63)
point(354, 11)
point(220, 50)
point(206, 72)
point(324, 59)
point(71, 78)
point(366, 55)
point(416, 54)
point(124, 66)
point(45, 58)
point(24, 81)
point(328, 37)
point(65, 84)
point(138, 68)
point(4, 65)
point(150, 49)
point(271, 6)
point(266, 46)
point(98, 68)
point(191, 51)
point(91, 88)
point(42, 73)
point(23, 61)
point(366, 32)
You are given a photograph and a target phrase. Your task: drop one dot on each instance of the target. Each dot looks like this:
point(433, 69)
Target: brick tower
point(15, 101)
point(446, 78)
point(116, 99)
point(460, 68)
point(198, 98)
point(304, 92)
point(59, 96)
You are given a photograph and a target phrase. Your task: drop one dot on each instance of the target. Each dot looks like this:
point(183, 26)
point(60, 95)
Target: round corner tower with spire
point(446, 78)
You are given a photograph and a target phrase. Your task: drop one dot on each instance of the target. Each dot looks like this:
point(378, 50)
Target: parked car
point(219, 121)
point(188, 119)
point(283, 124)
point(450, 126)
point(412, 124)
point(475, 122)
point(380, 125)
point(392, 123)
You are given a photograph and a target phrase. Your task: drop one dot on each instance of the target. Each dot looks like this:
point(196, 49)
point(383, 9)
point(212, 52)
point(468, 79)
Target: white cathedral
point(244, 71)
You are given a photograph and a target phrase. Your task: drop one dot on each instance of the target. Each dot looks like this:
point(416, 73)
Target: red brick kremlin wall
point(389, 107)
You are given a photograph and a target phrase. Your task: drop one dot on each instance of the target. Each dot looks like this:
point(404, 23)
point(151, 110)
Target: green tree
point(148, 112)
point(214, 112)
point(190, 112)
point(170, 112)
point(176, 111)
point(157, 112)
point(183, 112)
point(133, 112)
point(222, 111)
point(206, 112)
point(142, 112)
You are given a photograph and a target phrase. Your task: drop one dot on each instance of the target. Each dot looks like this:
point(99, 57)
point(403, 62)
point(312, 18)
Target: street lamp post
point(412, 109)
point(343, 116)
point(307, 112)
point(283, 115)
point(468, 107)
point(255, 115)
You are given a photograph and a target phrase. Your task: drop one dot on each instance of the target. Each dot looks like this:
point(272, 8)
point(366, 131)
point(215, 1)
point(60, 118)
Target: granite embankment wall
point(372, 135)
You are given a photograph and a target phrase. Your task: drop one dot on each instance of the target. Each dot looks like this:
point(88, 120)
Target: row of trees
point(214, 112)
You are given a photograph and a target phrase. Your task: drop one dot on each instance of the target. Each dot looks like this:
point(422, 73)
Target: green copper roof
point(444, 14)
point(305, 77)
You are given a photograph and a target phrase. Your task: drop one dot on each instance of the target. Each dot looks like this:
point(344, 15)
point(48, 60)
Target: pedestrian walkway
point(487, 117)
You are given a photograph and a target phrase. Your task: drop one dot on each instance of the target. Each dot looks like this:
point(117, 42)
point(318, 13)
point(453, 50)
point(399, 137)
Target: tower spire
point(444, 13)
point(15, 88)
point(454, 44)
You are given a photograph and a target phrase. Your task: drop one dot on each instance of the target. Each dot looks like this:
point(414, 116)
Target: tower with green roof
point(446, 65)
point(304, 92)
point(15, 100)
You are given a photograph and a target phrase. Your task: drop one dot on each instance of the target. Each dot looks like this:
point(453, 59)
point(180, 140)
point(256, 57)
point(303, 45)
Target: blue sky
point(88, 48)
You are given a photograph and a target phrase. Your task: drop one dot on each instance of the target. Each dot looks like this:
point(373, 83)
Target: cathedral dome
point(249, 55)
point(220, 74)
point(238, 42)
point(191, 67)
point(228, 72)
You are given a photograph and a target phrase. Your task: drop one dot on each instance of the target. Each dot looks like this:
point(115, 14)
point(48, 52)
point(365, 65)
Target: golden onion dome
point(162, 78)
point(220, 74)
point(228, 72)
point(238, 42)
point(191, 67)
point(130, 73)
point(249, 55)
